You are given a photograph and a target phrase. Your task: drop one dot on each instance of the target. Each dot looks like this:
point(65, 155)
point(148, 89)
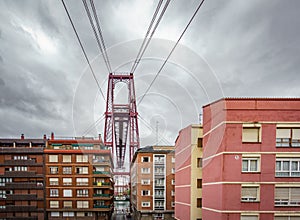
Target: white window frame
point(54, 204)
point(147, 194)
point(144, 157)
point(145, 204)
point(67, 182)
point(82, 204)
point(54, 192)
point(55, 214)
point(53, 181)
point(248, 159)
point(288, 201)
point(67, 158)
point(66, 193)
point(280, 169)
point(82, 158)
point(53, 158)
point(66, 204)
point(256, 127)
point(251, 199)
point(145, 170)
point(145, 181)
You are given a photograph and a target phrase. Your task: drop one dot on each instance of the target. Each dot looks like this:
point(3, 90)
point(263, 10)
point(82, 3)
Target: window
point(199, 162)
point(54, 214)
point(5, 180)
point(159, 182)
point(67, 181)
point(83, 193)
point(82, 158)
point(288, 137)
point(67, 170)
point(82, 181)
point(67, 204)
point(173, 182)
point(250, 165)
point(85, 214)
point(250, 193)
point(20, 168)
point(287, 217)
point(145, 193)
point(287, 196)
point(83, 204)
point(172, 193)
point(67, 158)
point(145, 159)
point(173, 159)
point(159, 204)
point(145, 181)
point(199, 202)
point(20, 157)
point(53, 192)
point(173, 170)
point(159, 158)
point(145, 204)
point(53, 158)
point(287, 167)
point(54, 204)
point(199, 143)
point(54, 170)
point(199, 183)
point(82, 170)
point(251, 134)
point(145, 170)
point(53, 181)
point(249, 217)
point(67, 193)
point(68, 214)
point(173, 204)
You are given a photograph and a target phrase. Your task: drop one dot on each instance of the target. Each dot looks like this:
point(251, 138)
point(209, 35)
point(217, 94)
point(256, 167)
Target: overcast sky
point(233, 48)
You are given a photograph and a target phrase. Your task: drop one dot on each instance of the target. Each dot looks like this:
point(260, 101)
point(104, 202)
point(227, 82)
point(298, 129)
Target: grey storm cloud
point(232, 48)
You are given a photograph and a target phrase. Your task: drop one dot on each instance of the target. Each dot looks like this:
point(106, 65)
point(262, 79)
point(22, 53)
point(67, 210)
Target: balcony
point(21, 163)
point(24, 197)
point(159, 162)
point(24, 185)
point(12, 208)
point(103, 196)
point(159, 208)
point(159, 186)
point(102, 173)
point(22, 174)
point(159, 173)
point(22, 218)
point(14, 150)
point(101, 162)
point(159, 196)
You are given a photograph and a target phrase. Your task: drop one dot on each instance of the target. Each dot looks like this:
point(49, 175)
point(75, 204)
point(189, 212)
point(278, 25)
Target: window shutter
point(295, 194)
point(249, 192)
point(250, 134)
point(283, 133)
point(281, 193)
point(281, 218)
point(249, 217)
point(296, 134)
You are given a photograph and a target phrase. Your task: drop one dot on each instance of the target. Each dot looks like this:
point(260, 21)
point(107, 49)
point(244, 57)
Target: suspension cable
point(175, 45)
point(147, 40)
point(82, 48)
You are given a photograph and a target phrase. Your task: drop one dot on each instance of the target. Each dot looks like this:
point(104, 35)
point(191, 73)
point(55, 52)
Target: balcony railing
point(22, 174)
point(102, 195)
point(13, 208)
point(286, 202)
point(14, 150)
point(159, 208)
point(102, 206)
point(102, 172)
point(24, 185)
point(22, 163)
point(20, 197)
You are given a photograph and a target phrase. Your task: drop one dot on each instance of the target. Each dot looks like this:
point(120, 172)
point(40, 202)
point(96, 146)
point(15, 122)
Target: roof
point(154, 149)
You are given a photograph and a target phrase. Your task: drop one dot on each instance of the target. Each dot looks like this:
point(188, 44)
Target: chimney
point(22, 137)
point(52, 136)
point(45, 137)
point(100, 137)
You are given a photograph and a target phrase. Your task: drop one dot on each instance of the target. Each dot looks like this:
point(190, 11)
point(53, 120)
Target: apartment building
point(153, 183)
point(22, 179)
point(79, 183)
point(251, 159)
point(188, 173)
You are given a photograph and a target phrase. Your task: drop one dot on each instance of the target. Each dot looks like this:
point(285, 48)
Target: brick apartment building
point(22, 194)
point(152, 183)
point(251, 159)
point(188, 173)
point(79, 182)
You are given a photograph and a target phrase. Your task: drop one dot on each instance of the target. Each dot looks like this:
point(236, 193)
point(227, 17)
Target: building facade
point(251, 159)
point(22, 183)
point(188, 173)
point(153, 183)
point(79, 182)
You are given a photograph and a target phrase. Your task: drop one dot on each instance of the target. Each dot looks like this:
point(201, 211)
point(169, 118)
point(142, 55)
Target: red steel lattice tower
point(121, 122)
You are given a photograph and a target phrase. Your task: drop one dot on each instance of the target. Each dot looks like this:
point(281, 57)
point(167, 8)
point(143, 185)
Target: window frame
point(250, 199)
point(249, 159)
